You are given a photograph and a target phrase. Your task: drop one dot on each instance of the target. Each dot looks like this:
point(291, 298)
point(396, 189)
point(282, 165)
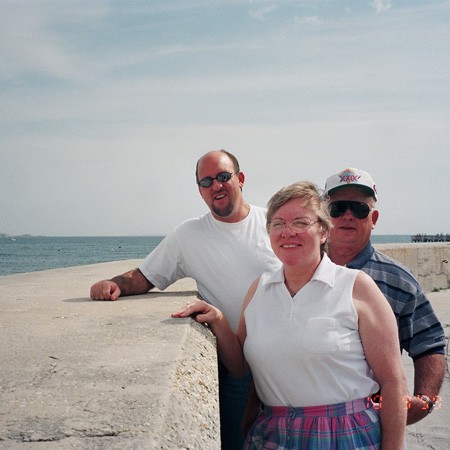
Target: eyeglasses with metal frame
point(296, 226)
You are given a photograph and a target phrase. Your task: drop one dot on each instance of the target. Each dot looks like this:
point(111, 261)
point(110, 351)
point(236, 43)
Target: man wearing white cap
point(353, 196)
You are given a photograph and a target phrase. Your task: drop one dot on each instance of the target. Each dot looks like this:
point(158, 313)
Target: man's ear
point(375, 215)
point(241, 178)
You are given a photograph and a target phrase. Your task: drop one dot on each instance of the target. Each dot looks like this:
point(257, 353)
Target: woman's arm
point(379, 336)
point(229, 344)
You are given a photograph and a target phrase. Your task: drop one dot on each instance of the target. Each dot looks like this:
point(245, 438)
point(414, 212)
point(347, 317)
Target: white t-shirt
point(306, 350)
point(223, 258)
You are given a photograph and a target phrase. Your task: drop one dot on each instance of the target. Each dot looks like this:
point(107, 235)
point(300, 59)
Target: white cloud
point(115, 107)
point(313, 20)
point(381, 5)
point(261, 14)
point(29, 45)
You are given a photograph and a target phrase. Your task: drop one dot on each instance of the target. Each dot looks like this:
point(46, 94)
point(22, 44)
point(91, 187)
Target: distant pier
point(431, 238)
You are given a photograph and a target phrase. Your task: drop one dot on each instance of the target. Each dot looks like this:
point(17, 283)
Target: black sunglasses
point(359, 209)
point(222, 177)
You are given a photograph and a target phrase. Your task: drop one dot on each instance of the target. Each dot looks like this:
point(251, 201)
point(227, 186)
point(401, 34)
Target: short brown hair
point(315, 199)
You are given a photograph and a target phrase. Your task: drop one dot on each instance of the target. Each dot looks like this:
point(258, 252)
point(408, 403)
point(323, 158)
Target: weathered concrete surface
point(433, 432)
point(429, 262)
point(77, 373)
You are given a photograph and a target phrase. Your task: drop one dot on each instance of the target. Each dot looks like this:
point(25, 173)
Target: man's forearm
point(132, 283)
point(429, 372)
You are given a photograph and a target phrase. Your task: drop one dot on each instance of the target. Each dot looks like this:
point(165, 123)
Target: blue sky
point(105, 107)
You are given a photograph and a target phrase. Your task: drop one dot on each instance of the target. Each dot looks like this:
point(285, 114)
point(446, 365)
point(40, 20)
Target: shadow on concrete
point(182, 321)
point(172, 294)
point(78, 300)
point(131, 297)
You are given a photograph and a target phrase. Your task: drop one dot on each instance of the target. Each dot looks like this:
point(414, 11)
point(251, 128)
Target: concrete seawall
point(77, 373)
point(429, 262)
point(83, 374)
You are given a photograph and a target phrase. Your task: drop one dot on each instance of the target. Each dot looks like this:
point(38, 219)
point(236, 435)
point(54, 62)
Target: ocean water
point(391, 239)
point(30, 254)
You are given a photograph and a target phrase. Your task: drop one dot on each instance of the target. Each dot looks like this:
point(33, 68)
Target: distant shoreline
point(441, 237)
point(376, 238)
point(8, 236)
point(24, 254)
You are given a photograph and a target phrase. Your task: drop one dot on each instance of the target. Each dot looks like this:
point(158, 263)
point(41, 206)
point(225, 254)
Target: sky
point(106, 106)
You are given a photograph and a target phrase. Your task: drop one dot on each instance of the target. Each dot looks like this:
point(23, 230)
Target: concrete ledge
point(77, 373)
point(83, 374)
point(429, 262)
point(433, 432)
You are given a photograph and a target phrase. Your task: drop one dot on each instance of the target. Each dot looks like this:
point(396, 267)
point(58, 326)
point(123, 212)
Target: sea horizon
point(26, 253)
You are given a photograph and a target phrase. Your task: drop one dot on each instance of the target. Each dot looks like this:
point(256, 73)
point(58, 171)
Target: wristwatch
point(430, 404)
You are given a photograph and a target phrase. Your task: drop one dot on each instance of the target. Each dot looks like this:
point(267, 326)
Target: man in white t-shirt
point(223, 251)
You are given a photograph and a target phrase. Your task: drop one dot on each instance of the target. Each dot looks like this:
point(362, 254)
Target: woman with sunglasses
point(306, 333)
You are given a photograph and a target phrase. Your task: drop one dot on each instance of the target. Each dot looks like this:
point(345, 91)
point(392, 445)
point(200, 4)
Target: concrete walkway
point(83, 374)
point(77, 373)
point(433, 432)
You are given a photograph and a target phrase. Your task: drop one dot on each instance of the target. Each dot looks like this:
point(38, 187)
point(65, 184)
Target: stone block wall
point(429, 262)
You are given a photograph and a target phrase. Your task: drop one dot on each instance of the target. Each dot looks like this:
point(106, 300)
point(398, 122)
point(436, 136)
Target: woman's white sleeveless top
point(306, 350)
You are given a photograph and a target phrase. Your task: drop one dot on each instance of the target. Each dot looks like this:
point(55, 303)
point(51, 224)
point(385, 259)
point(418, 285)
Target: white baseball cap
point(351, 177)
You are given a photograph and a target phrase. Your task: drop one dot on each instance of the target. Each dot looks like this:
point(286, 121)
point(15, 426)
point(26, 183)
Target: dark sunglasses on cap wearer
point(222, 177)
point(359, 210)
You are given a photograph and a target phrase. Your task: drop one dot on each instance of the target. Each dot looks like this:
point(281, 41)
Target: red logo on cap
point(349, 178)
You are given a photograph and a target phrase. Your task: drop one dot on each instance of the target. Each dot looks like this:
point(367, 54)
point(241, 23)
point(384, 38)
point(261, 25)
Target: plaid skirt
point(341, 426)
